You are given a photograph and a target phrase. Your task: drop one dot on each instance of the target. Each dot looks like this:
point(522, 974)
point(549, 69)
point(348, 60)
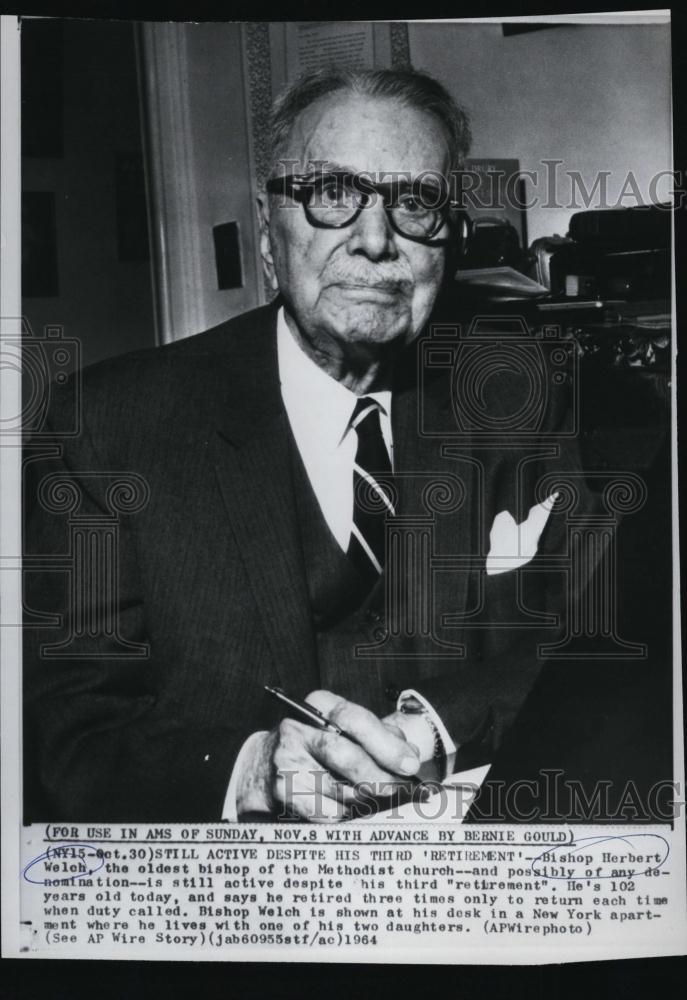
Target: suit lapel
point(252, 457)
point(254, 471)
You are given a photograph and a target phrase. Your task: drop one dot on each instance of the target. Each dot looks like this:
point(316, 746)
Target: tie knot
point(365, 417)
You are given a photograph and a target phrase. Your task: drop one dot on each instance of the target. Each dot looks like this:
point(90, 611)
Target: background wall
point(220, 142)
point(103, 300)
point(200, 173)
point(596, 97)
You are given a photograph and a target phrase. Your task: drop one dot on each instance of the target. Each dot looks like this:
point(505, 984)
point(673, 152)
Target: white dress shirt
point(319, 410)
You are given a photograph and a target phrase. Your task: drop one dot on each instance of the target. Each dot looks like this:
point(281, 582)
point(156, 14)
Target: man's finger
point(303, 794)
point(353, 765)
point(393, 728)
point(390, 750)
point(299, 782)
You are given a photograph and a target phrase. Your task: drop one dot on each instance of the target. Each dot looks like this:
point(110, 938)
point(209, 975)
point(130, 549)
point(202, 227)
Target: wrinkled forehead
point(357, 133)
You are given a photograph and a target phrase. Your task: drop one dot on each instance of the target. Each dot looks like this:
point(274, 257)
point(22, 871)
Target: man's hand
point(315, 775)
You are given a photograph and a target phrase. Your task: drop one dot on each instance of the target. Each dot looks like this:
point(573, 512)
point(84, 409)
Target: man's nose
point(372, 235)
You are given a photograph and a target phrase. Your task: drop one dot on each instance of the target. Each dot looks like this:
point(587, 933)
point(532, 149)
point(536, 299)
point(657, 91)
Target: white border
point(10, 547)
point(10, 477)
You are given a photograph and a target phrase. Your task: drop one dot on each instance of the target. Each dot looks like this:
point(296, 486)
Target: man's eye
point(334, 194)
point(410, 204)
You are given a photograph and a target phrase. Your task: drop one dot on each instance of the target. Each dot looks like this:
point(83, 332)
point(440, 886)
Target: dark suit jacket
point(594, 740)
point(210, 577)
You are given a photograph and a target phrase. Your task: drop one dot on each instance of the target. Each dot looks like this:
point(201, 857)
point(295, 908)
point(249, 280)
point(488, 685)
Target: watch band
point(413, 706)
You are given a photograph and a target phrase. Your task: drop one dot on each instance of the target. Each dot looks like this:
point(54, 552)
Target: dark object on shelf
point(618, 230)
point(541, 254)
point(492, 189)
point(494, 242)
point(614, 254)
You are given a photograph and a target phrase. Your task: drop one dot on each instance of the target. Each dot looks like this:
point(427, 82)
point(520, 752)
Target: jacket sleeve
point(104, 737)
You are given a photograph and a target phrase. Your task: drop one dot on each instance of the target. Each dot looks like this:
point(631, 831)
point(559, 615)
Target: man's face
point(363, 284)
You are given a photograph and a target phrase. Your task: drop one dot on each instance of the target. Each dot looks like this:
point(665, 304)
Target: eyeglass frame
point(296, 186)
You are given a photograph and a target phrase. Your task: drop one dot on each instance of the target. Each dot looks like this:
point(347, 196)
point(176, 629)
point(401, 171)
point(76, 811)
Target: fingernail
point(409, 765)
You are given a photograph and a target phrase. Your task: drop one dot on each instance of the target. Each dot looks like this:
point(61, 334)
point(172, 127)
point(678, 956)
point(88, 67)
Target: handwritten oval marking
point(68, 854)
point(595, 854)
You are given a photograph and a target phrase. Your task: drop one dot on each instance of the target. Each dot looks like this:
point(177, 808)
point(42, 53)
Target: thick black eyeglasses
point(418, 211)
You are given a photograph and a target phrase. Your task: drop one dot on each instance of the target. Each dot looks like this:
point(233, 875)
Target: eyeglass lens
point(335, 200)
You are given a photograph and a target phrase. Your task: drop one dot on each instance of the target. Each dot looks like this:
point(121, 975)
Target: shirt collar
point(317, 405)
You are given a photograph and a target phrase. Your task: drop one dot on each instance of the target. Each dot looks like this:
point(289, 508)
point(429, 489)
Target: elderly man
point(256, 560)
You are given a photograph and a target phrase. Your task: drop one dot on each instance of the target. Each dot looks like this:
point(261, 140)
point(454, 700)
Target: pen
point(308, 712)
point(316, 718)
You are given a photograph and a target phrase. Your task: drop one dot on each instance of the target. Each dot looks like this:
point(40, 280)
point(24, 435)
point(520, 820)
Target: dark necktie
point(372, 498)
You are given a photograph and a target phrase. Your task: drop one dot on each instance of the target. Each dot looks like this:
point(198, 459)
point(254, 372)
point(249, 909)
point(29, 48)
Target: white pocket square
point(512, 545)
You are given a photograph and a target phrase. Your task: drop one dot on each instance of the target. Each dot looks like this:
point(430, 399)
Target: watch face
point(412, 706)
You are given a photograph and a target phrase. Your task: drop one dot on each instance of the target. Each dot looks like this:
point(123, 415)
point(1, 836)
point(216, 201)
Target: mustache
point(381, 276)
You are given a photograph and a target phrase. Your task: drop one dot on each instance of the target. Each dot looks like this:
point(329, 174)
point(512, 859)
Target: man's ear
point(263, 210)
